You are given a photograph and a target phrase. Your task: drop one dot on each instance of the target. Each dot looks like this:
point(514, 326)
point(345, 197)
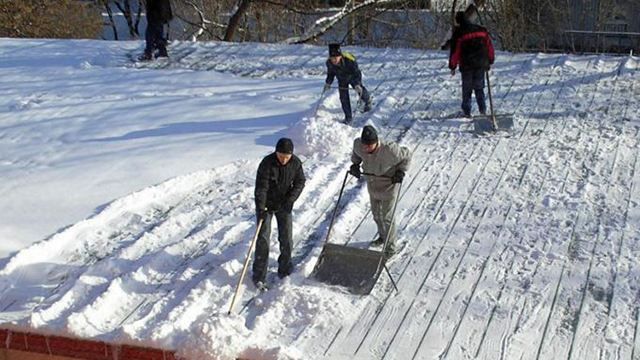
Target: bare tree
point(112, 22)
point(131, 10)
point(202, 18)
point(294, 21)
point(49, 19)
point(234, 21)
point(323, 25)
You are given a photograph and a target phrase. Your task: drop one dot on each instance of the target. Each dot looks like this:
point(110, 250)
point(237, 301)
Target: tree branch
point(325, 24)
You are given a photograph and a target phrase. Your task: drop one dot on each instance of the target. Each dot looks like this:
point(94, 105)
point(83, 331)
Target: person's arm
point(355, 158)
point(356, 73)
point(454, 59)
point(402, 155)
point(262, 186)
point(331, 74)
point(490, 50)
point(405, 158)
point(298, 185)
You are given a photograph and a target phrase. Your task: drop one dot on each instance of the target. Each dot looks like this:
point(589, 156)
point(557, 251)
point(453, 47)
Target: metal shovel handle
point(493, 114)
point(246, 263)
point(335, 210)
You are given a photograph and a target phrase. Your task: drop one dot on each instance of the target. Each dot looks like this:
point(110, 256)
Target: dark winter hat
point(334, 50)
point(369, 135)
point(284, 146)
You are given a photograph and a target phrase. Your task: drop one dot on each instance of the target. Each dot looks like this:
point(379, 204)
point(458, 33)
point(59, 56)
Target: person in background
point(158, 15)
point(279, 183)
point(343, 65)
point(472, 51)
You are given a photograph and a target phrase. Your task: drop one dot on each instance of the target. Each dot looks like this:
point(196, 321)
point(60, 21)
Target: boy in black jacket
point(343, 65)
point(279, 182)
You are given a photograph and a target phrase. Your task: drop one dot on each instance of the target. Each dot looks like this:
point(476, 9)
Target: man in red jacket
point(472, 50)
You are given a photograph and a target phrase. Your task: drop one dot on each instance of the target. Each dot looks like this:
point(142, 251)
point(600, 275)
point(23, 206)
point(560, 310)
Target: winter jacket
point(471, 48)
point(278, 186)
point(384, 161)
point(346, 71)
point(159, 11)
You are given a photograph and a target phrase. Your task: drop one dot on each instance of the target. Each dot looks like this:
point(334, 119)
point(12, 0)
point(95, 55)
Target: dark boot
point(146, 56)
point(162, 52)
point(378, 242)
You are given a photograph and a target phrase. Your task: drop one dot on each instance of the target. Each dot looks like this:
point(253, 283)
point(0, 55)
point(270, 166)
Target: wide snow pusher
point(356, 269)
point(491, 123)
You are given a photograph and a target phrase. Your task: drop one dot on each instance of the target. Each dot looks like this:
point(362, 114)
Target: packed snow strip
point(497, 247)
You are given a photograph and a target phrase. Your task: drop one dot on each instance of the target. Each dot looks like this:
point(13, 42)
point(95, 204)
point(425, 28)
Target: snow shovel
point(483, 124)
point(355, 269)
point(246, 263)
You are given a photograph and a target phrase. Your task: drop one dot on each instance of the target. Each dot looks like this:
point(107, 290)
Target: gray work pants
point(382, 211)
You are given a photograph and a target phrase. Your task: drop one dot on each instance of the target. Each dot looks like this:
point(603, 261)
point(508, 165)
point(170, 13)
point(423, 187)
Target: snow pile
point(503, 240)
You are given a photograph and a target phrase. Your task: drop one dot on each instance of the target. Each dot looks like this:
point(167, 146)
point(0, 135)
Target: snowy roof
point(517, 247)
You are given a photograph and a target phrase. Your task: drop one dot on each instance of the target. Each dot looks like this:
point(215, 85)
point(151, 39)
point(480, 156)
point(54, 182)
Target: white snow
point(127, 203)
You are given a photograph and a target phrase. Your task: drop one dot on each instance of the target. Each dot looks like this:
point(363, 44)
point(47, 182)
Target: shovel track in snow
point(474, 280)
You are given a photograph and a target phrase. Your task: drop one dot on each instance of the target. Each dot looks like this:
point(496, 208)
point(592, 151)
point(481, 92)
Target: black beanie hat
point(284, 146)
point(369, 135)
point(334, 50)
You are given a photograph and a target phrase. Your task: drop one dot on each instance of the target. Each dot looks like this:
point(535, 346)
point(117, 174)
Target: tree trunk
point(235, 19)
point(111, 21)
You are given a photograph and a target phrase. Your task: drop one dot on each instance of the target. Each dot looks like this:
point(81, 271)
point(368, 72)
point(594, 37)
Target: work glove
point(397, 177)
point(326, 87)
point(355, 171)
point(261, 214)
point(358, 89)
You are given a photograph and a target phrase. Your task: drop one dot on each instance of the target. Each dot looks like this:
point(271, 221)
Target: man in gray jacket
point(384, 164)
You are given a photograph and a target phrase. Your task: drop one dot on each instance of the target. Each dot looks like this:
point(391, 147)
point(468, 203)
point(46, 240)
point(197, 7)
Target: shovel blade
point(484, 123)
point(355, 269)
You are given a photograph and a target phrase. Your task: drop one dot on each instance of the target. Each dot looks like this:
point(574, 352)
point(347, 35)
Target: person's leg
point(376, 207)
point(148, 50)
point(386, 213)
point(478, 88)
point(345, 101)
point(285, 238)
point(261, 259)
point(162, 43)
point(467, 88)
point(153, 37)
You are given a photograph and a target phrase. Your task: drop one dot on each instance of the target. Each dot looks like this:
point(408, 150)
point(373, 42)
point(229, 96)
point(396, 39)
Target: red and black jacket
point(471, 48)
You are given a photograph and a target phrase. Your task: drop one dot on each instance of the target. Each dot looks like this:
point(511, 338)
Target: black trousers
point(473, 81)
point(345, 101)
point(261, 260)
point(154, 36)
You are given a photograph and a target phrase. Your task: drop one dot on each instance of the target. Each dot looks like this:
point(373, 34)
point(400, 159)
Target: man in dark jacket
point(158, 14)
point(343, 65)
point(279, 182)
point(472, 50)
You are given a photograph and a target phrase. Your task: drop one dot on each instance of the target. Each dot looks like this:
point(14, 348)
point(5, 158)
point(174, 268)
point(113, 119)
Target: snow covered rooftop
point(127, 203)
